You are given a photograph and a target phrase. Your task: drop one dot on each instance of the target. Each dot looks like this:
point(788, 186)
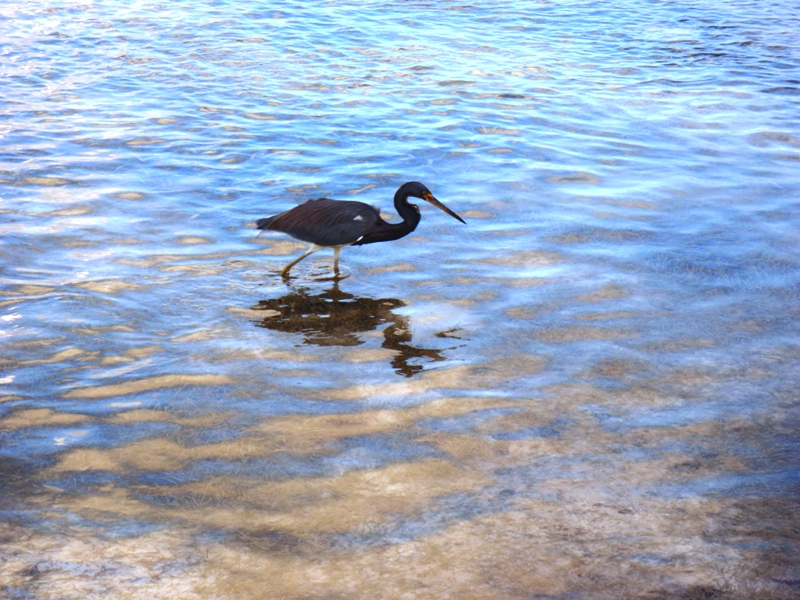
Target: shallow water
point(588, 391)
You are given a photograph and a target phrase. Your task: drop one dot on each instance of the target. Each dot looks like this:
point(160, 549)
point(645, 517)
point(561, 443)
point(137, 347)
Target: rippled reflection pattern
point(589, 391)
point(335, 318)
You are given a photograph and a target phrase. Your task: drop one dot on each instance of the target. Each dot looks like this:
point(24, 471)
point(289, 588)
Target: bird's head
point(418, 190)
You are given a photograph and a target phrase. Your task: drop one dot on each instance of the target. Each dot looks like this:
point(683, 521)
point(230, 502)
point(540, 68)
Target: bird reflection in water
point(336, 318)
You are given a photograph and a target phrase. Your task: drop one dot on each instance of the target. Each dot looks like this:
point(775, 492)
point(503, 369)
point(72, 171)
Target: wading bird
point(327, 223)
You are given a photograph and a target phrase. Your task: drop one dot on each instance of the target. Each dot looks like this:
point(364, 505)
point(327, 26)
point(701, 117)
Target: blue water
point(615, 326)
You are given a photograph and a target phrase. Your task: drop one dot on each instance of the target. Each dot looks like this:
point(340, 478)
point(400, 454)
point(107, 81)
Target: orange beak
point(427, 196)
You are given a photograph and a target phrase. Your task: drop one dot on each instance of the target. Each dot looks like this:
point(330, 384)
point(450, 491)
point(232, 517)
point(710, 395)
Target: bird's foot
point(337, 275)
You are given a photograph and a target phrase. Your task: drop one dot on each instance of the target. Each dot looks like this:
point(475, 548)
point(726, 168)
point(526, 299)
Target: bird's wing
point(325, 222)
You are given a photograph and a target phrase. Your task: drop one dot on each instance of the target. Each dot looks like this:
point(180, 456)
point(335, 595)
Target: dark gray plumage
point(327, 223)
point(344, 222)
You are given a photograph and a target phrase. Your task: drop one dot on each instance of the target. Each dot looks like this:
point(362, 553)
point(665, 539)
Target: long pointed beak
point(429, 198)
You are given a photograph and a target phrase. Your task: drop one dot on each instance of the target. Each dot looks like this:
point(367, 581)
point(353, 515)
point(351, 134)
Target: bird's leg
point(336, 250)
point(314, 248)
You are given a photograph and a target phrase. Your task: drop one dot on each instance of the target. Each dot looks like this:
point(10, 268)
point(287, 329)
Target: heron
point(326, 223)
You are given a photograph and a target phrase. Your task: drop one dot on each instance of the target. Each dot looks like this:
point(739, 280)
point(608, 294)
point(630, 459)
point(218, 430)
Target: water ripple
point(586, 392)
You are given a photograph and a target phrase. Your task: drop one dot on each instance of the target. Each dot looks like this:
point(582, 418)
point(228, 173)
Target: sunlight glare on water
point(587, 391)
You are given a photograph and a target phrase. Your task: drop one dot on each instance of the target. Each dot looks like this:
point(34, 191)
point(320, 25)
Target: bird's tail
point(264, 223)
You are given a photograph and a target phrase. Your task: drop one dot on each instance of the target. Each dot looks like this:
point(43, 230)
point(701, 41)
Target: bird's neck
point(409, 213)
point(386, 232)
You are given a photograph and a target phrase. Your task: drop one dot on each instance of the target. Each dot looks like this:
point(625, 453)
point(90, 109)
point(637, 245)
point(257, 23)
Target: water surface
point(588, 391)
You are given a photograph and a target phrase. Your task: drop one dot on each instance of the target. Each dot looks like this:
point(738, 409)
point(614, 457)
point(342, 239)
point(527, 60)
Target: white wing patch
point(359, 218)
